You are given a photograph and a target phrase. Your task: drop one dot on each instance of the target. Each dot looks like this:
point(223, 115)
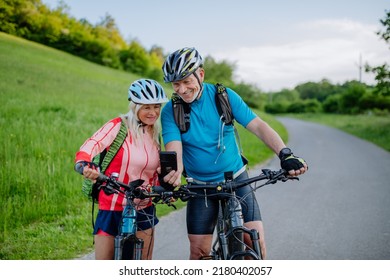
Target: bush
point(296, 107)
point(276, 108)
point(305, 106)
point(332, 104)
point(312, 106)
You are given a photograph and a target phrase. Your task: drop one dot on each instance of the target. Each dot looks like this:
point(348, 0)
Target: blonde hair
point(135, 126)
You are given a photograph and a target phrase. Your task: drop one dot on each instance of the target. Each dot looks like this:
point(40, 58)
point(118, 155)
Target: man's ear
point(201, 74)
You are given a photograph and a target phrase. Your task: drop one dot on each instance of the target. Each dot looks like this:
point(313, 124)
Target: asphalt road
point(339, 210)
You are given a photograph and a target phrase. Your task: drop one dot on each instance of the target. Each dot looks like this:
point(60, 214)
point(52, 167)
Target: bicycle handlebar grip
point(159, 189)
point(79, 166)
point(185, 198)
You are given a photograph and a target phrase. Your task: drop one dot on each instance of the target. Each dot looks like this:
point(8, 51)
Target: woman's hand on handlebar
point(88, 169)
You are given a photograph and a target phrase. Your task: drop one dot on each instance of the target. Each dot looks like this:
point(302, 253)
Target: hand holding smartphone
point(168, 162)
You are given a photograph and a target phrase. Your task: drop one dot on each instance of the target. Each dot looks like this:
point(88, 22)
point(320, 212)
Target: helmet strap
point(200, 90)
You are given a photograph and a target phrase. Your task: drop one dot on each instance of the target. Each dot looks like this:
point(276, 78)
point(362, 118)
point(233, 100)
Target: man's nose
point(181, 89)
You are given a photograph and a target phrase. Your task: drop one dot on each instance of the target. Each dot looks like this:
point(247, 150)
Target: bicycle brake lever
point(290, 178)
point(272, 181)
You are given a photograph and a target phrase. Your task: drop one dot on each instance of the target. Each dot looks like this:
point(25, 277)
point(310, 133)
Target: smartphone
point(168, 162)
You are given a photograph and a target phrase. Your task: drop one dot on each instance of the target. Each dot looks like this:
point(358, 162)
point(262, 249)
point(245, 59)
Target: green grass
point(375, 129)
point(50, 102)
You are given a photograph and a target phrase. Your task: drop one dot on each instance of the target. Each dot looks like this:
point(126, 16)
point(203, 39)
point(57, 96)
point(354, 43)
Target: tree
point(249, 93)
point(350, 98)
point(156, 62)
point(285, 95)
point(319, 91)
point(135, 59)
point(382, 72)
point(218, 72)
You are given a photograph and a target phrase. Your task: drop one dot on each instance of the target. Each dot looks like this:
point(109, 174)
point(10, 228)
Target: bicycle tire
point(128, 249)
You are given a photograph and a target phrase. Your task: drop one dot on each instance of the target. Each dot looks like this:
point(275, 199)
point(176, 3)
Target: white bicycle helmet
point(146, 91)
point(181, 63)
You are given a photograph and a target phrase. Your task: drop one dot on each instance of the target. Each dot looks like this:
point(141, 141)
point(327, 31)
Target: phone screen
point(168, 162)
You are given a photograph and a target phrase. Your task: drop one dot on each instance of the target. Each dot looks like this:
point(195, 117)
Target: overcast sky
point(274, 44)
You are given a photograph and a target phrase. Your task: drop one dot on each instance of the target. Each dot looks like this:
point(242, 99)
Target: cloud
point(312, 51)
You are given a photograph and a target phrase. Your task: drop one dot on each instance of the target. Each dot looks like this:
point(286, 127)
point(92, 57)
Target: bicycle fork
point(236, 231)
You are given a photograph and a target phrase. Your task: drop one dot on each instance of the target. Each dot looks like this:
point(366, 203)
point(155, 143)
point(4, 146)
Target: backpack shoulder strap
point(225, 110)
point(114, 147)
point(182, 110)
point(223, 104)
point(181, 113)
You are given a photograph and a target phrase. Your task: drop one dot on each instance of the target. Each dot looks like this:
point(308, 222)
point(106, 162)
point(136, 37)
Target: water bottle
point(129, 220)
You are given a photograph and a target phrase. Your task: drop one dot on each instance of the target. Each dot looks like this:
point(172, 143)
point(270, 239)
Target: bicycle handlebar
point(230, 185)
point(133, 189)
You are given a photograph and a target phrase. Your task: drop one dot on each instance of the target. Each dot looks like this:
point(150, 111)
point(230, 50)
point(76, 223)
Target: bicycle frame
point(127, 245)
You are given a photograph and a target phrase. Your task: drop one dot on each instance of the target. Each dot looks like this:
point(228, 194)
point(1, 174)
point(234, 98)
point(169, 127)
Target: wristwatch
point(284, 153)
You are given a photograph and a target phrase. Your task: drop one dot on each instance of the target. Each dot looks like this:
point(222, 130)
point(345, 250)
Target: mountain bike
point(127, 245)
point(229, 243)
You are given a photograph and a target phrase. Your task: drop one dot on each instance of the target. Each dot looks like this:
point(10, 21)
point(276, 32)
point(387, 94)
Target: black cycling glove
point(79, 166)
point(290, 162)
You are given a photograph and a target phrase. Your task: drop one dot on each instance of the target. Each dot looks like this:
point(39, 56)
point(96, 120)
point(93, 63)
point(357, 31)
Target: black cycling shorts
point(202, 215)
point(110, 221)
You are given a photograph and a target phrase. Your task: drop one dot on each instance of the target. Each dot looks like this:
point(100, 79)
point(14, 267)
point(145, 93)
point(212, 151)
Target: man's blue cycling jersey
point(207, 152)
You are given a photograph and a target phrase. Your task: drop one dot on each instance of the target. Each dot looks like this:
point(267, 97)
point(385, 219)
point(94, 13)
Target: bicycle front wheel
point(128, 248)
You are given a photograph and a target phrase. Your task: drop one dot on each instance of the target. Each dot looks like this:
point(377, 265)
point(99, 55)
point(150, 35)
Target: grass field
point(50, 103)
